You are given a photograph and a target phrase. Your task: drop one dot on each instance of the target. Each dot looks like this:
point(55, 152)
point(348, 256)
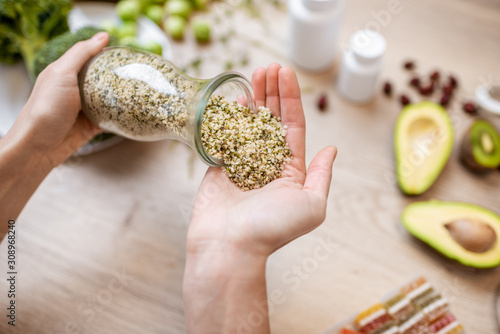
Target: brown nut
point(472, 235)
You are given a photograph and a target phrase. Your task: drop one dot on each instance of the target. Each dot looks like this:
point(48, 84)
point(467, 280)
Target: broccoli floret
point(55, 48)
point(26, 25)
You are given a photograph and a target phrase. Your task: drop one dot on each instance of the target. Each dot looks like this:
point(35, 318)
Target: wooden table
point(101, 243)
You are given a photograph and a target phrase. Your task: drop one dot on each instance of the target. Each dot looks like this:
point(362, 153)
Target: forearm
point(22, 169)
point(225, 292)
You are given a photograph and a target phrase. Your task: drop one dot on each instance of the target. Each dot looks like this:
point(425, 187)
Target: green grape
point(178, 7)
point(175, 26)
point(109, 26)
point(153, 47)
point(201, 4)
point(201, 29)
point(154, 12)
point(127, 29)
point(129, 41)
point(128, 10)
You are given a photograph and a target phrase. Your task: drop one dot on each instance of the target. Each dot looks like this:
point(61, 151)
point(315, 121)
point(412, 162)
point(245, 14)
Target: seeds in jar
point(136, 94)
point(252, 146)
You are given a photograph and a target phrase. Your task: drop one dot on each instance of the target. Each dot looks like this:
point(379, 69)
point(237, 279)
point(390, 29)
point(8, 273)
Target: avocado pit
point(473, 235)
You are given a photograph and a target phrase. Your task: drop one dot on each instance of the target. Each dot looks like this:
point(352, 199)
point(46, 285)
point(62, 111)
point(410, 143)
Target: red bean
point(470, 108)
point(448, 89)
point(445, 99)
point(387, 88)
point(415, 82)
point(435, 76)
point(323, 102)
point(404, 100)
point(427, 90)
point(453, 81)
point(409, 65)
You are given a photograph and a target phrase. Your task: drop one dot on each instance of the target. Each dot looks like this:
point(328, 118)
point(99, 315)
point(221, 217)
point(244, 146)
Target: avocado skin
point(428, 231)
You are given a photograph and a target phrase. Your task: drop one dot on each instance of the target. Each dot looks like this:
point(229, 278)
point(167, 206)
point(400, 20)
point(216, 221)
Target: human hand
point(51, 124)
point(48, 130)
point(261, 221)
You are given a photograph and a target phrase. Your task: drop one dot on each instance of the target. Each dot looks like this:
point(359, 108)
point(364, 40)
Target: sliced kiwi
point(480, 150)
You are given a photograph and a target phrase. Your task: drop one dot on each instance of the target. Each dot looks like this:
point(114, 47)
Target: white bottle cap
point(485, 98)
point(367, 46)
point(319, 5)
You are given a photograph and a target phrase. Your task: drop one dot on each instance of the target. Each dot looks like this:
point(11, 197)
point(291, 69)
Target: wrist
point(222, 287)
point(212, 233)
point(17, 152)
point(216, 260)
point(22, 169)
point(217, 268)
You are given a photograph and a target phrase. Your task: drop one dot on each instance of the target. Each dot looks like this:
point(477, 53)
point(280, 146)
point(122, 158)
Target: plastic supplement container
point(314, 28)
point(361, 66)
point(142, 96)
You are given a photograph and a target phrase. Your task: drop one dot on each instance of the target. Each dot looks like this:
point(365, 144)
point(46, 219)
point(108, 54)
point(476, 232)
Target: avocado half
point(443, 226)
point(423, 141)
point(480, 148)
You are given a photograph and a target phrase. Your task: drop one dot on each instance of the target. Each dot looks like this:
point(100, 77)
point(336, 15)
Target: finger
point(272, 89)
point(319, 173)
point(74, 59)
point(259, 86)
point(292, 115)
point(82, 132)
point(242, 100)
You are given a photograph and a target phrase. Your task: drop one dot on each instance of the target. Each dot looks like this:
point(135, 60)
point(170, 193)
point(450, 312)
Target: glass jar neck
point(233, 82)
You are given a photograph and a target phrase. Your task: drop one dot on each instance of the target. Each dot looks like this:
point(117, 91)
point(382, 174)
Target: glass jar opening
point(233, 86)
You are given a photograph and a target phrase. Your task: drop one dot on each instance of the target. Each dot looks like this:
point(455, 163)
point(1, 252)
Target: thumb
point(74, 59)
point(319, 173)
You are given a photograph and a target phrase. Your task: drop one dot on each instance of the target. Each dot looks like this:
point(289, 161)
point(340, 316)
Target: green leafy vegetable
point(26, 25)
point(55, 48)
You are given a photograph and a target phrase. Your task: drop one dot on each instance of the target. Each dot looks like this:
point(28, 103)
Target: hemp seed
point(252, 146)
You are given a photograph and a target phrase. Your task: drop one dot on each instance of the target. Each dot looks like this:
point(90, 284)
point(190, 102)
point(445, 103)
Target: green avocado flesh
point(423, 141)
point(432, 222)
point(485, 143)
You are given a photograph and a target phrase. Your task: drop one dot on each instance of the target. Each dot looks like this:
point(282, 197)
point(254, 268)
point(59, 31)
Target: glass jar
point(142, 96)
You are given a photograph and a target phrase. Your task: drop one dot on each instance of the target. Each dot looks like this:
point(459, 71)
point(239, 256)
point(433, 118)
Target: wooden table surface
point(101, 243)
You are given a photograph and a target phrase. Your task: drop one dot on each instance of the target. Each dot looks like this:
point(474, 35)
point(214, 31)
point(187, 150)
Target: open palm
point(265, 219)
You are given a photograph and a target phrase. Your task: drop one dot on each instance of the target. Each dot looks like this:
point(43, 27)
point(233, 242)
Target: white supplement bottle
point(361, 65)
point(314, 32)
